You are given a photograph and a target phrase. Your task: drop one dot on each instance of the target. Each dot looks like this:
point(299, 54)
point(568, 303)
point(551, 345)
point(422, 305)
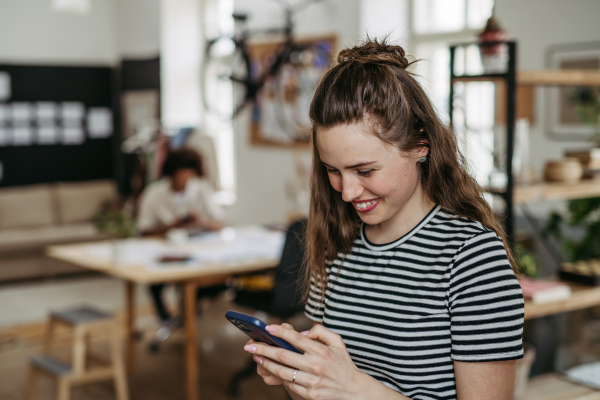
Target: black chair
point(284, 300)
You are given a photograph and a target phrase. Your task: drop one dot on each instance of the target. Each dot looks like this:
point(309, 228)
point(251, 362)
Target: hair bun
point(375, 52)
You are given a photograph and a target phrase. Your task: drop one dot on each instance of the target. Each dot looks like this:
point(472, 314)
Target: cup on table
point(177, 236)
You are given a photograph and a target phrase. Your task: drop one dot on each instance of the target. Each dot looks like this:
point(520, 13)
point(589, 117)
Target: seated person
point(181, 199)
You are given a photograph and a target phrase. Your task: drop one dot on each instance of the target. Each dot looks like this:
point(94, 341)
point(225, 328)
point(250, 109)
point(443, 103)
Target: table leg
point(191, 348)
point(130, 325)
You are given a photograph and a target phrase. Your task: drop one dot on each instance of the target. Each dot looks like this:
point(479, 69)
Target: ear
point(423, 149)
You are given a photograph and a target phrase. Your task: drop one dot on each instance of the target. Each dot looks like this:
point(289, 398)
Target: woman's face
point(378, 178)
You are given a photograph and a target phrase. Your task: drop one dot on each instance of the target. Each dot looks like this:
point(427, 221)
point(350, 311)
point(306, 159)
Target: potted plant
point(116, 223)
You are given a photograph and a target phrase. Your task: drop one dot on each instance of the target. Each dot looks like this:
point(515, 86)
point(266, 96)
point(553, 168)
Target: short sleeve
point(315, 306)
point(485, 302)
point(205, 201)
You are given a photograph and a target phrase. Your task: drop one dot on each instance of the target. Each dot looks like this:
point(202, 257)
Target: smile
point(366, 206)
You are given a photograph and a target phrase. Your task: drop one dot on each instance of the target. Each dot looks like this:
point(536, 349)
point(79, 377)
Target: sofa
point(33, 217)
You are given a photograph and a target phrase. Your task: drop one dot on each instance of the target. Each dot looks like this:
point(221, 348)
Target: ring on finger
point(294, 376)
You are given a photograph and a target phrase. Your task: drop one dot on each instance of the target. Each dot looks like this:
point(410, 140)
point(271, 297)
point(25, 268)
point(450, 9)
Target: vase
point(120, 251)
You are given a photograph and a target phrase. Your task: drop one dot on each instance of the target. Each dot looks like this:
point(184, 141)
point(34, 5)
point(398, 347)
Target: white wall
point(181, 42)
point(537, 24)
point(138, 28)
point(31, 33)
point(385, 18)
point(262, 173)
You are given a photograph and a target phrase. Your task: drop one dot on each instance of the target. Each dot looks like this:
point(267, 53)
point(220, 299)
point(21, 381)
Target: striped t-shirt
point(406, 310)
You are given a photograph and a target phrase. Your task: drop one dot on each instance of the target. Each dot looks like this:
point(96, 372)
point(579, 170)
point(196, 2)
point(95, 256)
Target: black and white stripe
point(406, 310)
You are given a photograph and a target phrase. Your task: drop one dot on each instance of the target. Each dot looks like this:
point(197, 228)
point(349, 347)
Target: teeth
point(362, 206)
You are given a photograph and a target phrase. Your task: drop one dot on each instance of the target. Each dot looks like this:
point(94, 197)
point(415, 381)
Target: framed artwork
point(280, 114)
point(561, 109)
point(140, 109)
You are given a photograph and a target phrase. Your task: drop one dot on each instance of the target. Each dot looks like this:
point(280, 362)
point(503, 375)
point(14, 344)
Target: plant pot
point(523, 370)
point(120, 251)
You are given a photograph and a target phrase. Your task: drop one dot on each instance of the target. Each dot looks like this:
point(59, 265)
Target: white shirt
point(160, 205)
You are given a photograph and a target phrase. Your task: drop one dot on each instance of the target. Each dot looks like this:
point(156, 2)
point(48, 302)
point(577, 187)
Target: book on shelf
point(543, 291)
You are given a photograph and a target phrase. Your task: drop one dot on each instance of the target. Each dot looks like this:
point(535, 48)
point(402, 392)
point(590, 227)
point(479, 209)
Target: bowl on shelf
point(589, 159)
point(567, 170)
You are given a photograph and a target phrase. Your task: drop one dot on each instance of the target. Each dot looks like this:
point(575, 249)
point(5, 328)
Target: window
point(219, 21)
point(435, 25)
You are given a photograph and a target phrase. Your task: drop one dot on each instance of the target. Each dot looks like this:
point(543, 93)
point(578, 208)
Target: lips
point(365, 206)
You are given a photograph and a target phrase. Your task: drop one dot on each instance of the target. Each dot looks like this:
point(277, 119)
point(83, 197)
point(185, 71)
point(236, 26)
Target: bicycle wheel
point(226, 79)
point(294, 87)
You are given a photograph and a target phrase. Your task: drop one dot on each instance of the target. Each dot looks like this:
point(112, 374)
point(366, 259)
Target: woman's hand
point(267, 376)
point(324, 371)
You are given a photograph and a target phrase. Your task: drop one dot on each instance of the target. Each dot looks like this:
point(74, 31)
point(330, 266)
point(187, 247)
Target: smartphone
point(257, 331)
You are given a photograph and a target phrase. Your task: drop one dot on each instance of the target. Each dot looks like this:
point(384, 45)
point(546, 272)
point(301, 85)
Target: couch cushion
point(79, 201)
point(26, 206)
point(35, 239)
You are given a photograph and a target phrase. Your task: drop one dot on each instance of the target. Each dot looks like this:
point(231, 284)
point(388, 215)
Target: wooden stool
point(83, 321)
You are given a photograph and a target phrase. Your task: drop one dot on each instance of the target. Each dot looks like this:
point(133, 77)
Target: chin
point(369, 219)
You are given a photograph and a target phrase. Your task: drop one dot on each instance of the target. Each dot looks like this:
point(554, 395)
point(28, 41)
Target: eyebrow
point(362, 164)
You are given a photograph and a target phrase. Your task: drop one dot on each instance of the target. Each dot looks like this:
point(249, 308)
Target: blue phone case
point(255, 328)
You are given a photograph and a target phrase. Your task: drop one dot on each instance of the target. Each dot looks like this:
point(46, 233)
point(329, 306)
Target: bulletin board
point(280, 114)
point(56, 124)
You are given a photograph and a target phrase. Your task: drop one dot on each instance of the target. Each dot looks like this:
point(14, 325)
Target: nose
point(351, 188)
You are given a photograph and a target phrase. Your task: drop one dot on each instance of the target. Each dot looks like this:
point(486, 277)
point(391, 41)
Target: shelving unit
point(509, 78)
point(556, 191)
point(513, 194)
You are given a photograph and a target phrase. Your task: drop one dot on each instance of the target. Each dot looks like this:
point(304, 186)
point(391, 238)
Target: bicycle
point(232, 79)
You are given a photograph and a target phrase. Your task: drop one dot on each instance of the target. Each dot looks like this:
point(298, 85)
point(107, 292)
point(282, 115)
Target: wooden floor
point(160, 376)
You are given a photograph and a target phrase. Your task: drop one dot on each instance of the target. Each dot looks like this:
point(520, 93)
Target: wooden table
point(582, 297)
point(189, 278)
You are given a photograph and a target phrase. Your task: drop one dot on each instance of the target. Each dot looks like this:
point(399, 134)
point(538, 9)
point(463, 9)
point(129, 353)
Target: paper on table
point(136, 252)
point(235, 246)
point(244, 245)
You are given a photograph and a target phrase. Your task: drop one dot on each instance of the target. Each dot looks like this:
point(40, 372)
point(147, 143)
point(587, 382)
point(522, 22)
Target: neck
point(408, 217)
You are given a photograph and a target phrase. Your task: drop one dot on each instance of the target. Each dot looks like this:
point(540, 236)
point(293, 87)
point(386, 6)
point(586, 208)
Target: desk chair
point(283, 300)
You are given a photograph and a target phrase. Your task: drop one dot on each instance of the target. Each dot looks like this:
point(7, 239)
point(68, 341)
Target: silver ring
point(294, 376)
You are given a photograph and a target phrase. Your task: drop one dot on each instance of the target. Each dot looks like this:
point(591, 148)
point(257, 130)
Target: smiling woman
point(408, 277)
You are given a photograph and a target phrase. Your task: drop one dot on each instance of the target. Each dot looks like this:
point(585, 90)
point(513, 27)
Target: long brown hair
point(371, 83)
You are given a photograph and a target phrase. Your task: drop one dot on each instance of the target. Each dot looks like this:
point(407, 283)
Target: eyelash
point(361, 173)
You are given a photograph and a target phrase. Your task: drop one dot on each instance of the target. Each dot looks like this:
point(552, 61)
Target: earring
point(423, 159)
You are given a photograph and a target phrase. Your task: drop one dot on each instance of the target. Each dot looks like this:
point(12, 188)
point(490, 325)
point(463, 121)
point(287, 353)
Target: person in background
point(181, 199)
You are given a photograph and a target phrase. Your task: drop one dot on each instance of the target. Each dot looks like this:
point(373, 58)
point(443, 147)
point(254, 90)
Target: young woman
point(408, 277)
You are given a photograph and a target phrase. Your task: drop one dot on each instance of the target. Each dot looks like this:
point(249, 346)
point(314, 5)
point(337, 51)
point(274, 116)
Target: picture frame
point(269, 108)
point(562, 120)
